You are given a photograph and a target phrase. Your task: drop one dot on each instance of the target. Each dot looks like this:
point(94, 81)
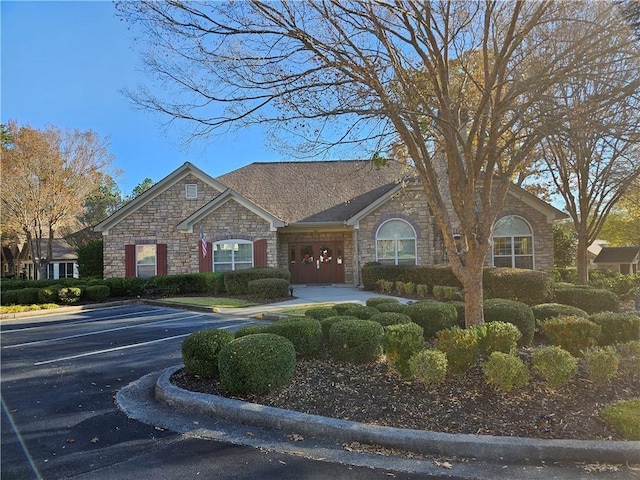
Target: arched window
point(396, 243)
point(512, 243)
point(232, 255)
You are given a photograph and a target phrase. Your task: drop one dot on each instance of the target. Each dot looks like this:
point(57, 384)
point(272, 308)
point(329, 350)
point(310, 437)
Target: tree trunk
point(582, 261)
point(473, 296)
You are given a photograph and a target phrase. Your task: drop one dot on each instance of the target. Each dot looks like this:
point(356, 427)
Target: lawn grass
point(212, 302)
point(301, 309)
point(624, 416)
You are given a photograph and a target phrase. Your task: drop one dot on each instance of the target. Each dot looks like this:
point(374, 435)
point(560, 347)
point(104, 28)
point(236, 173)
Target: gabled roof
point(60, 250)
point(318, 191)
point(163, 185)
point(187, 224)
point(618, 255)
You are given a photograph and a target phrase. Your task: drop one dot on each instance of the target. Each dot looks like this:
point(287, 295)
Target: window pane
point(222, 252)
point(50, 271)
point(502, 246)
point(386, 250)
point(511, 225)
point(406, 252)
point(244, 252)
point(242, 266)
point(222, 267)
point(145, 271)
point(396, 229)
point(502, 262)
point(522, 246)
point(146, 254)
point(524, 262)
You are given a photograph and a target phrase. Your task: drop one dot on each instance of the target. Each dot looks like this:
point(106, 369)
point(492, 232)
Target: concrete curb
point(515, 450)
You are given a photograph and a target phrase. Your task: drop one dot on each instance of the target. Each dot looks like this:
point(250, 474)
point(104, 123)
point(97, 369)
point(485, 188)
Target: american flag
point(203, 242)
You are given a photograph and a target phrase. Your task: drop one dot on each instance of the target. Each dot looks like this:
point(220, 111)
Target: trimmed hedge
point(69, 295)
point(505, 371)
point(591, 300)
point(429, 366)
point(511, 311)
point(126, 287)
point(304, 332)
point(28, 296)
point(391, 307)
point(268, 288)
point(9, 297)
point(400, 343)
point(256, 364)
point(356, 341)
point(327, 323)
point(432, 316)
point(49, 294)
point(210, 282)
point(574, 334)
point(343, 307)
point(617, 327)
point(245, 330)
point(498, 337)
point(460, 346)
point(423, 275)
point(321, 312)
point(236, 282)
point(97, 293)
point(200, 351)
point(361, 311)
point(522, 285)
point(390, 318)
point(375, 301)
point(555, 365)
point(545, 311)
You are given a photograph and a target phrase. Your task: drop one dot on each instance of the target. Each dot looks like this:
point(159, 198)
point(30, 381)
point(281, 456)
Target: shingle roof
point(325, 191)
point(618, 255)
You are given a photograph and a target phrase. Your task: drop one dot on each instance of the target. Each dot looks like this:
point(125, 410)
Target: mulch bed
point(375, 394)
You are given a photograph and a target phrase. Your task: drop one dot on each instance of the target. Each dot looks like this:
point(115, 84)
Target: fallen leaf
point(94, 440)
point(438, 463)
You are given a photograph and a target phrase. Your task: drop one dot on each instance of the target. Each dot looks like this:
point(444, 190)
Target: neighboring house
point(619, 259)
point(593, 250)
point(9, 261)
point(63, 262)
point(321, 220)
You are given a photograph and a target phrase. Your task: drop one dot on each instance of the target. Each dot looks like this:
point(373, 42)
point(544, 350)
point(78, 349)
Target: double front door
point(316, 262)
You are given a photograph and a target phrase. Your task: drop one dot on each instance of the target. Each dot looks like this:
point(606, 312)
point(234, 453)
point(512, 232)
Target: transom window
point(145, 261)
point(232, 255)
point(396, 243)
point(512, 243)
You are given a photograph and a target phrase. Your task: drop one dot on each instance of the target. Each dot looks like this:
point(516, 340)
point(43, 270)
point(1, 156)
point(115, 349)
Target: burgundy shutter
point(205, 263)
point(161, 259)
point(129, 260)
point(260, 253)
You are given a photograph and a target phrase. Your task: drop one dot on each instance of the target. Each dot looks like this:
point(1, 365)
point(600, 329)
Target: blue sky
point(66, 63)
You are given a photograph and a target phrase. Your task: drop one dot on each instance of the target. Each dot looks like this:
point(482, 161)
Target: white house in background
point(63, 263)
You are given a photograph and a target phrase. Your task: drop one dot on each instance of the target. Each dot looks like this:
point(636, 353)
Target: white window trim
point(233, 262)
point(191, 191)
point(395, 243)
point(511, 237)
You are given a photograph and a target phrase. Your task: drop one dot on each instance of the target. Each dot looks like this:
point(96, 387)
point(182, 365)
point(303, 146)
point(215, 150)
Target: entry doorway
point(316, 262)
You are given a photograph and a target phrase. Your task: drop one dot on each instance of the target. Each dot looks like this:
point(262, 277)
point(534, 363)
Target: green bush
point(400, 343)
point(430, 276)
point(522, 285)
point(445, 294)
point(406, 288)
point(498, 337)
point(256, 364)
point(200, 351)
point(601, 364)
point(625, 286)
point(356, 341)
point(574, 334)
point(375, 301)
point(126, 287)
point(629, 358)
point(28, 296)
point(460, 346)
point(343, 307)
point(97, 293)
point(327, 323)
point(69, 295)
point(617, 327)
point(505, 371)
point(361, 311)
point(429, 366)
point(545, 311)
point(236, 282)
point(459, 306)
point(49, 294)
point(511, 311)
point(304, 332)
point(268, 288)
point(422, 291)
point(591, 300)
point(321, 312)
point(432, 316)
point(391, 307)
point(245, 330)
point(389, 318)
point(555, 365)
point(10, 297)
point(385, 286)
point(624, 417)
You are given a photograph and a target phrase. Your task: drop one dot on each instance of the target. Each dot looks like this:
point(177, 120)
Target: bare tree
point(459, 85)
point(46, 177)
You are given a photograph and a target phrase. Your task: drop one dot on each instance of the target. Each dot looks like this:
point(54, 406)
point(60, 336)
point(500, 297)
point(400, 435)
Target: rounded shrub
point(97, 293)
point(519, 284)
point(629, 358)
point(389, 318)
point(460, 346)
point(574, 334)
point(327, 323)
point(49, 294)
point(601, 364)
point(429, 366)
point(505, 371)
point(256, 364)
point(356, 341)
point(617, 327)
point(555, 365)
point(69, 295)
point(343, 307)
point(432, 316)
point(591, 300)
point(459, 306)
point(362, 311)
point(245, 330)
point(321, 312)
point(391, 307)
point(28, 296)
point(9, 297)
point(304, 332)
point(268, 288)
point(200, 351)
point(237, 282)
point(400, 342)
point(375, 301)
point(545, 311)
point(498, 337)
point(511, 311)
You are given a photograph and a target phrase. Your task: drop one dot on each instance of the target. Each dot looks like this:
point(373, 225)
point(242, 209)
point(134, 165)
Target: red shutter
point(260, 253)
point(129, 260)
point(161, 258)
point(205, 263)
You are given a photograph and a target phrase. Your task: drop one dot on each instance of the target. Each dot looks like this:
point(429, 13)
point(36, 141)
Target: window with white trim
point(146, 256)
point(232, 255)
point(396, 243)
point(512, 243)
point(191, 191)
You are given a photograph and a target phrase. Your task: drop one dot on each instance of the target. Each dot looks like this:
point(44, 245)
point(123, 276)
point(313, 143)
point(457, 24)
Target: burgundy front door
point(316, 262)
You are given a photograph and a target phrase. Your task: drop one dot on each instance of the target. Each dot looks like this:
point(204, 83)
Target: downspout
point(356, 256)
